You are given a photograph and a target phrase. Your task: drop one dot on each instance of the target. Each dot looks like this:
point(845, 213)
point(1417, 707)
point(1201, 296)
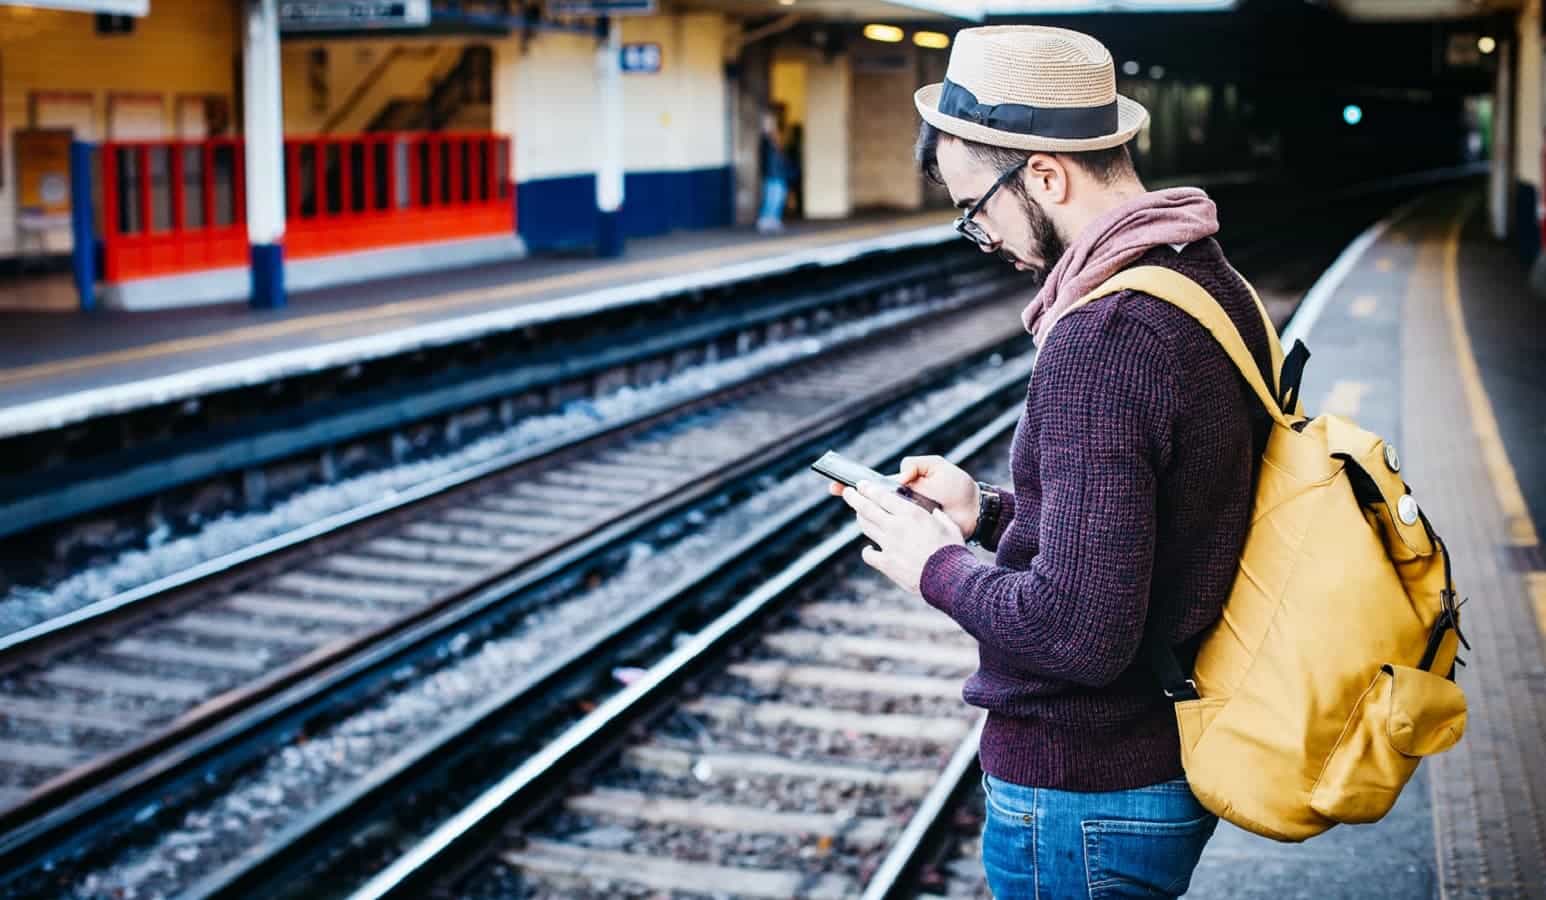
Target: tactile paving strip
point(1490, 790)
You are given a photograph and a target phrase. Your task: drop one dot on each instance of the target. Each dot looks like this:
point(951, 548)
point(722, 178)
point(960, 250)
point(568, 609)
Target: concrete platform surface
point(1432, 339)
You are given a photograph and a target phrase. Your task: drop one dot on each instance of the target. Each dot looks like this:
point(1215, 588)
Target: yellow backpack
point(1331, 672)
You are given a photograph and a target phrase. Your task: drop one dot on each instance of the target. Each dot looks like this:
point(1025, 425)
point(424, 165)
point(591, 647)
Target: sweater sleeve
point(1104, 395)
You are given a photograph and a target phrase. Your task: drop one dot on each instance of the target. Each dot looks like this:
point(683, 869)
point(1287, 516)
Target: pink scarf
point(1112, 242)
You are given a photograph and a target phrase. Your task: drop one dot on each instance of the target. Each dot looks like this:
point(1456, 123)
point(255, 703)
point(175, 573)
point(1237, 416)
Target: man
point(1133, 468)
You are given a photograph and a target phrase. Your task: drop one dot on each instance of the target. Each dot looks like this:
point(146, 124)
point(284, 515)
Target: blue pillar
point(609, 233)
point(268, 276)
point(83, 253)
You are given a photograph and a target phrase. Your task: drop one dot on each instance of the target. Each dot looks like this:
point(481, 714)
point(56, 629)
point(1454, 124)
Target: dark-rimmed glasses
point(971, 229)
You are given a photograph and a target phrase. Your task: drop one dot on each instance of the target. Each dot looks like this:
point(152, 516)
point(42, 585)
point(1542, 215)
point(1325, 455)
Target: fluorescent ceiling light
point(1033, 7)
point(960, 9)
point(118, 7)
point(934, 40)
point(890, 34)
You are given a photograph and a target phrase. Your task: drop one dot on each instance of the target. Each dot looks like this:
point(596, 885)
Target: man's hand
point(942, 481)
point(905, 536)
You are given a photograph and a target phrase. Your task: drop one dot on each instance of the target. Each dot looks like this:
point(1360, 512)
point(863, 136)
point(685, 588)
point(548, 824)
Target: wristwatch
point(987, 512)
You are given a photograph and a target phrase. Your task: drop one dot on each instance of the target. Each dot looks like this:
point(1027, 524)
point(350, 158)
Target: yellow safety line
point(1535, 585)
point(1345, 397)
point(1505, 482)
point(441, 303)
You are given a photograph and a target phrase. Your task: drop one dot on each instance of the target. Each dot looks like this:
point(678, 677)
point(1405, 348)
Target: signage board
point(640, 58)
point(43, 173)
point(601, 7)
point(116, 7)
point(352, 15)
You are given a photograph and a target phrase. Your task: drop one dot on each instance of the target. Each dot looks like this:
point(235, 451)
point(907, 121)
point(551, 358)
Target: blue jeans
point(1042, 844)
point(774, 192)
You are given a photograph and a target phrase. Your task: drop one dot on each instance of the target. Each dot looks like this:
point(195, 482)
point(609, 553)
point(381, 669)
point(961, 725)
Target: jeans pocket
point(1135, 858)
point(1009, 800)
point(1008, 846)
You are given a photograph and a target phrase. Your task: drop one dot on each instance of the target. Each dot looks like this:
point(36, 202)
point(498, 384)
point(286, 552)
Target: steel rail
point(206, 747)
point(528, 787)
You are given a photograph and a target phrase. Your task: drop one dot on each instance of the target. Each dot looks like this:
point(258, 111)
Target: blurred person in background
point(794, 149)
point(774, 164)
point(1133, 467)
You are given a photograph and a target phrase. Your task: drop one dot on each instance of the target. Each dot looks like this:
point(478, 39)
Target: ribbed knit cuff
point(944, 575)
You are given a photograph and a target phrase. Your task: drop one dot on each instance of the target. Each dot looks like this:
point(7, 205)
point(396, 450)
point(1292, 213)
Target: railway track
point(954, 870)
point(453, 569)
point(805, 744)
point(117, 710)
point(809, 743)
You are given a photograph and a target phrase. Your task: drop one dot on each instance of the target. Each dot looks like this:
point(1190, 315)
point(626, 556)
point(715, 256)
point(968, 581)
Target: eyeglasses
point(971, 229)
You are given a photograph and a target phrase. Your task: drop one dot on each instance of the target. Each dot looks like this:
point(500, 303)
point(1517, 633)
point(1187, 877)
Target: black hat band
point(1069, 122)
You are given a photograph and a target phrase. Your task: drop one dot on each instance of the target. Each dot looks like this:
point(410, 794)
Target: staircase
point(460, 100)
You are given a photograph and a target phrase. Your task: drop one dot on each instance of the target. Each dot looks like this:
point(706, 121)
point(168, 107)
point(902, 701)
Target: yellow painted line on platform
point(359, 329)
point(1345, 397)
point(1364, 306)
point(441, 303)
point(1505, 482)
point(1535, 585)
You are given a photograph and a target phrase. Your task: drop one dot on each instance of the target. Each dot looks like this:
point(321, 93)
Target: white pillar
point(1500, 190)
point(1527, 117)
point(609, 173)
point(828, 130)
point(264, 142)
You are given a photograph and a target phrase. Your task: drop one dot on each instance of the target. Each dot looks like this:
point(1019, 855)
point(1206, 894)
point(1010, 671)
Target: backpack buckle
point(1186, 693)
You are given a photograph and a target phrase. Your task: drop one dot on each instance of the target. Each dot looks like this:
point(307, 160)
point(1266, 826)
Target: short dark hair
point(1104, 165)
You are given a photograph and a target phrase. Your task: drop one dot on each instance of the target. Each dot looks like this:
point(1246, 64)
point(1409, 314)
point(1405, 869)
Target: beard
point(1046, 243)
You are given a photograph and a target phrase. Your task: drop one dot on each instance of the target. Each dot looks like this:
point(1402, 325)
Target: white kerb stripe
point(1320, 293)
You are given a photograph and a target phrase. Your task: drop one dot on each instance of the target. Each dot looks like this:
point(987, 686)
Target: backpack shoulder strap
point(1180, 291)
point(1274, 346)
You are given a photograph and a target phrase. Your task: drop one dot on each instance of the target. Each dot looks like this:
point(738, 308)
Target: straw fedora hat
point(1029, 87)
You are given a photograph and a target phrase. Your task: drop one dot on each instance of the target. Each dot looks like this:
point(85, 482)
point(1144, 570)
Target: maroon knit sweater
point(1134, 466)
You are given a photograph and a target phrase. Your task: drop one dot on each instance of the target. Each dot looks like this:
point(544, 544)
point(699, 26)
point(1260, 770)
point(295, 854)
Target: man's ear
point(1046, 179)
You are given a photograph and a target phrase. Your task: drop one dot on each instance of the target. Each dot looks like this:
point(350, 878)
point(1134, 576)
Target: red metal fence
point(170, 207)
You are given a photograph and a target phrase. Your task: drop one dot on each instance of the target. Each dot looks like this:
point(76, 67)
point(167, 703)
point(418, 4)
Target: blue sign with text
point(601, 7)
point(643, 58)
point(352, 15)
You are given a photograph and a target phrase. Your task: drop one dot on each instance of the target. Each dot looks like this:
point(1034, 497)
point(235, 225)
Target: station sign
point(114, 7)
point(352, 15)
point(640, 58)
point(601, 7)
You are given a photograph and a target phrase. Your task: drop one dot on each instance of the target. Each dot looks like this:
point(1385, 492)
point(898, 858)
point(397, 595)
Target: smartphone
point(847, 471)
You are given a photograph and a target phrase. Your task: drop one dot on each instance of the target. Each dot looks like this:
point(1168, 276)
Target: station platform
point(1425, 331)
point(62, 367)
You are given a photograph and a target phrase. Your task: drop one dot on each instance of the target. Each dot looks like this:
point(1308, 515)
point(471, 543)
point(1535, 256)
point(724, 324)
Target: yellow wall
point(788, 87)
point(182, 47)
point(674, 120)
point(884, 126)
point(549, 93)
point(359, 78)
point(544, 93)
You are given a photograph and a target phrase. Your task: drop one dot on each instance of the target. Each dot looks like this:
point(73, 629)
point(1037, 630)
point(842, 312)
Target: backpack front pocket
point(1404, 715)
